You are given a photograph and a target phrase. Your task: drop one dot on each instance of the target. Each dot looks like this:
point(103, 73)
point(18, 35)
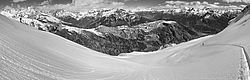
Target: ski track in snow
point(244, 73)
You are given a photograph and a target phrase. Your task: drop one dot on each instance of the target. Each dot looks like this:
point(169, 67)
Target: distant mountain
point(106, 17)
point(204, 21)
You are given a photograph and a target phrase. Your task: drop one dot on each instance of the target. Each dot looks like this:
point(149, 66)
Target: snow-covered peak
point(9, 12)
point(105, 12)
point(63, 13)
point(29, 13)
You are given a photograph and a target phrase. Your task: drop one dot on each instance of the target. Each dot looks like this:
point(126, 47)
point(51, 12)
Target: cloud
point(118, 3)
point(97, 4)
point(86, 5)
point(199, 4)
point(245, 1)
point(186, 3)
point(90, 2)
point(129, 0)
point(46, 2)
point(86, 2)
point(176, 2)
point(18, 0)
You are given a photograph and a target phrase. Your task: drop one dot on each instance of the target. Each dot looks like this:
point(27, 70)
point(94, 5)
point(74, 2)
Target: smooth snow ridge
point(26, 53)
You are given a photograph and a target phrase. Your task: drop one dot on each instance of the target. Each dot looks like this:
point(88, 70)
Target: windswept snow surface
point(26, 53)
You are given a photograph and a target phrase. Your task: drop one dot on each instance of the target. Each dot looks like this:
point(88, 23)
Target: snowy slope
point(26, 53)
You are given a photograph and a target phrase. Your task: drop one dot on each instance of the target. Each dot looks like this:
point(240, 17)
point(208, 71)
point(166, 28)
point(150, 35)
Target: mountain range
point(116, 31)
point(27, 53)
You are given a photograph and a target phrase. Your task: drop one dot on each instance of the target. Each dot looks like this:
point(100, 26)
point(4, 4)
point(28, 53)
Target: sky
point(88, 4)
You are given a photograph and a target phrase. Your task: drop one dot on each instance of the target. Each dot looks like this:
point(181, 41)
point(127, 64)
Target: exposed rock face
point(143, 38)
point(118, 31)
